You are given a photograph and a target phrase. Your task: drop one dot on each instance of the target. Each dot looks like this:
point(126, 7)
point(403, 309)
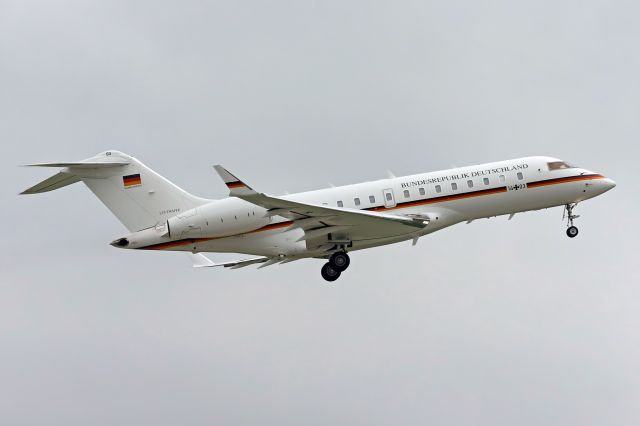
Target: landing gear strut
point(338, 262)
point(572, 231)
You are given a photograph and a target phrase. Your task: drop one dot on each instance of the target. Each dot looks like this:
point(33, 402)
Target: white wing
point(318, 222)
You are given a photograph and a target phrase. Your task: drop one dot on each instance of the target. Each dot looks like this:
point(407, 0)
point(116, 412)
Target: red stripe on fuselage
point(407, 204)
point(187, 241)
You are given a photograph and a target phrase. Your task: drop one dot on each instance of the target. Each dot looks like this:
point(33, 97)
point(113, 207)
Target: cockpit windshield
point(559, 165)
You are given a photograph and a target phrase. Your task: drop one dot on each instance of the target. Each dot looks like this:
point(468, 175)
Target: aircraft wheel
point(572, 232)
point(328, 273)
point(339, 261)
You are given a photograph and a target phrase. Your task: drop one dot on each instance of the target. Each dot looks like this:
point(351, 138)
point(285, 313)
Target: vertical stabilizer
point(139, 197)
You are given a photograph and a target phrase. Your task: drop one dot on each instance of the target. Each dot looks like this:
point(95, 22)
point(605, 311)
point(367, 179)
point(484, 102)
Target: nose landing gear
point(338, 262)
point(572, 231)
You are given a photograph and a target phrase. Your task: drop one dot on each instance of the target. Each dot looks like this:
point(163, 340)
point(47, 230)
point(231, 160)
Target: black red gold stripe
point(565, 179)
point(131, 180)
point(236, 184)
point(177, 243)
point(407, 204)
point(441, 199)
point(455, 197)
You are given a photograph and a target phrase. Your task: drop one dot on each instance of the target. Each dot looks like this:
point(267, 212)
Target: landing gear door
point(389, 199)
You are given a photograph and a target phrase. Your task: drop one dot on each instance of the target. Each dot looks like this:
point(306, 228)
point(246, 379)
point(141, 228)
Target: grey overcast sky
point(493, 323)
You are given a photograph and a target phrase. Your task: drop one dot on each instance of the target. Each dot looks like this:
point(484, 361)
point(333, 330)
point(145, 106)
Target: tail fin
point(139, 197)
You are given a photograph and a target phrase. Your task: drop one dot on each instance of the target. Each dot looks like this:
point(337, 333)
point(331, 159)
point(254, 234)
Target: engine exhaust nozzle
point(120, 242)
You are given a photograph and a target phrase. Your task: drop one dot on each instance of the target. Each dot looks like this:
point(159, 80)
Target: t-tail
point(139, 197)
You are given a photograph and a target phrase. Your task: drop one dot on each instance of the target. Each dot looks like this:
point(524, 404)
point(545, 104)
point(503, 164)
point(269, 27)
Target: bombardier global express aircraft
point(323, 224)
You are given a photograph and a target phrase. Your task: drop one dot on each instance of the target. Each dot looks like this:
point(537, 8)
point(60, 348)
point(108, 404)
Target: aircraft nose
point(608, 184)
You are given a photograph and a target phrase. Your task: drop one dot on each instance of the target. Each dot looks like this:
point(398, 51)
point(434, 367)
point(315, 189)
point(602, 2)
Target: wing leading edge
point(318, 222)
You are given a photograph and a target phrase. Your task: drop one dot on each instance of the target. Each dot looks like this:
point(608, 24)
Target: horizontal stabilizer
point(56, 181)
point(67, 176)
point(82, 164)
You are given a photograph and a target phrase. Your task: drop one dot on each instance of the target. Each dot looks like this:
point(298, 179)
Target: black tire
point(572, 232)
point(339, 261)
point(328, 273)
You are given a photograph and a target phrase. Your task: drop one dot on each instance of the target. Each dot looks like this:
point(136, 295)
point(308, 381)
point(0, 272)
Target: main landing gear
point(338, 262)
point(572, 231)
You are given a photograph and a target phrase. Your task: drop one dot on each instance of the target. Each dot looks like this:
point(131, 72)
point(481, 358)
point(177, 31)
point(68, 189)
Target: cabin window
point(421, 191)
point(325, 204)
point(559, 165)
point(438, 188)
point(389, 197)
point(454, 186)
point(520, 177)
point(372, 199)
point(406, 193)
point(486, 181)
point(470, 183)
point(502, 178)
point(340, 204)
point(356, 201)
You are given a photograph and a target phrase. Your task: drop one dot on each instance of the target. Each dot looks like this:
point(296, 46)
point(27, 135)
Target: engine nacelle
point(185, 225)
point(145, 238)
point(215, 220)
point(222, 218)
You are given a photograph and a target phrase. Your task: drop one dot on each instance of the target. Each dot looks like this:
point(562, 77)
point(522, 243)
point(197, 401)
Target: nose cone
point(603, 185)
point(608, 184)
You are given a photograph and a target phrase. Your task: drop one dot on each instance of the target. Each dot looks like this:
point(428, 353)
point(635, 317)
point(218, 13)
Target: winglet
point(235, 185)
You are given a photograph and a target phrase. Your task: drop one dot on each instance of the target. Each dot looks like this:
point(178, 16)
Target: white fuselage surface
point(447, 197)
point(161, 216)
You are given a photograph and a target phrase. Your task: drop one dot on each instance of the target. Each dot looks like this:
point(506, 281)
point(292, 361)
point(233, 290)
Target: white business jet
point(324, 224)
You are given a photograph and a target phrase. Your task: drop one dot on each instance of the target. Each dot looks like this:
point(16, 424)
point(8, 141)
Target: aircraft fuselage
point(446, 197)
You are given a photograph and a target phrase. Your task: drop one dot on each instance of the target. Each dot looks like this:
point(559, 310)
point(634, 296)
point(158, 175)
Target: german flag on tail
point(131, 180)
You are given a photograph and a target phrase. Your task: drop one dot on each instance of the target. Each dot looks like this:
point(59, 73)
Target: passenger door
point(389, 199)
